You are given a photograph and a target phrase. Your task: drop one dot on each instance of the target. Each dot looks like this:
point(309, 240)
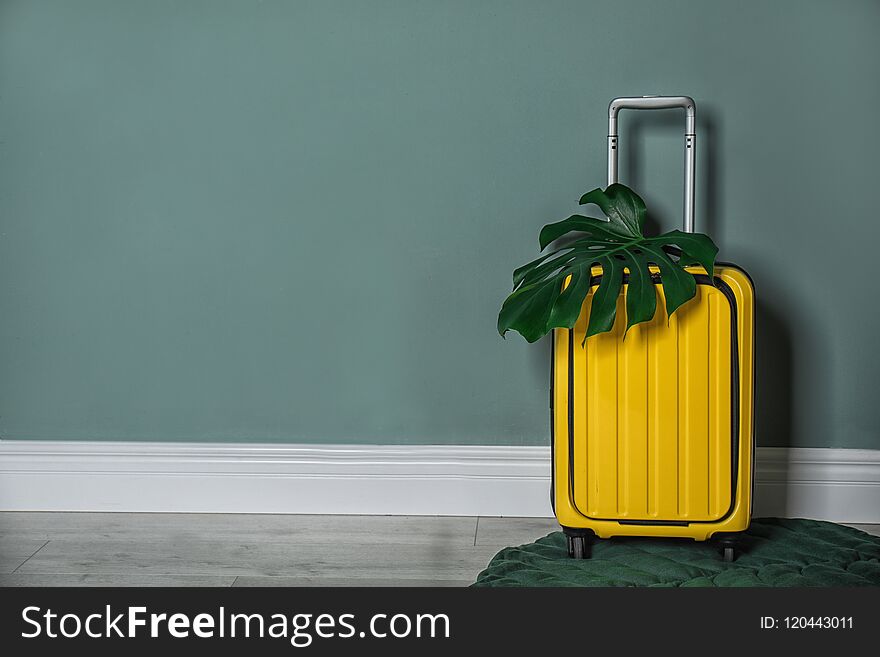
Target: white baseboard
point(832, 484)
point(842, 485)
point(290, 478)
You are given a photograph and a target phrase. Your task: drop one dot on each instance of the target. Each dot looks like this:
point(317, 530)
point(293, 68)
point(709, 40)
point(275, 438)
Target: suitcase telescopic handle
point(690, 141)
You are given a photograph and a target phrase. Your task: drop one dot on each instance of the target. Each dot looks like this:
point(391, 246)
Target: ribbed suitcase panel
point(632, 456)
point(663, 379)
point(651, 414)
point(720, 373)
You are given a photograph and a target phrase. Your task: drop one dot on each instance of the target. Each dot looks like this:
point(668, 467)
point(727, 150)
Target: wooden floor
point(122, 549)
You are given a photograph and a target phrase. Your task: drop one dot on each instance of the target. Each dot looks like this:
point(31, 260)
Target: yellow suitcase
point(652, 435)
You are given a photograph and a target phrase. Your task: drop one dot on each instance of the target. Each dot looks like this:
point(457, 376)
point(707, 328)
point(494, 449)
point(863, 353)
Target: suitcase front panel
point(651, 414)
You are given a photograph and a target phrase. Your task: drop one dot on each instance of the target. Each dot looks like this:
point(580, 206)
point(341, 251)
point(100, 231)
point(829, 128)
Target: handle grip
point(690, 141)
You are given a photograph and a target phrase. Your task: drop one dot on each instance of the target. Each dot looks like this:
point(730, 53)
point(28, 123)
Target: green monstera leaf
point(538, 303)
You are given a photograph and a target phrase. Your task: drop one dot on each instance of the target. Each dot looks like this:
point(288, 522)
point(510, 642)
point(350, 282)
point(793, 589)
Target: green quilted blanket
point(773, 552)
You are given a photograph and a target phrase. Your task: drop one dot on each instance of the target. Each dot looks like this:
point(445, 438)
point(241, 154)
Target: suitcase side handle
point(690, 141)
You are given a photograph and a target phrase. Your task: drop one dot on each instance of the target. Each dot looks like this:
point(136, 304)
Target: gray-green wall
point(295, 221)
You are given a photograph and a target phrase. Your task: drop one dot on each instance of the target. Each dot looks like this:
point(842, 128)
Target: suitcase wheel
point(577, 547)
point(579, 542)
point(728, 545)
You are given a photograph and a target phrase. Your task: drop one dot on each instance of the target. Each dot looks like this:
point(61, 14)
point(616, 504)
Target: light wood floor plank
point(506, 532)
point(233, 558)
point(354, 581)
point(119, 579)
point(298, 529)
point(870, 529)
point(14, 551)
